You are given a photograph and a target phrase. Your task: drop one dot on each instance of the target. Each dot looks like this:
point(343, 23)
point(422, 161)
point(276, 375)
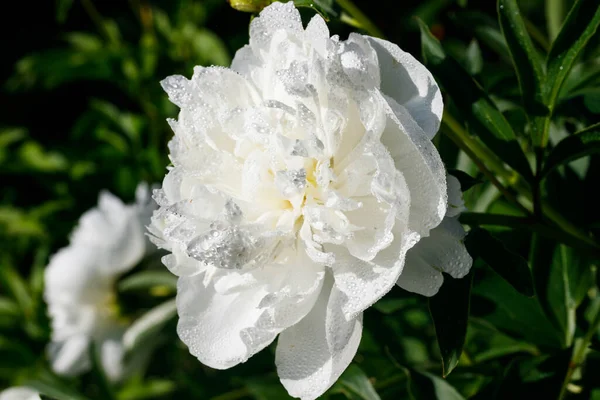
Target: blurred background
point(82, 110)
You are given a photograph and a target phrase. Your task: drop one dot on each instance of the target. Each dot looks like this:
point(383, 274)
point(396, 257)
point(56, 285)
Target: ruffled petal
point(410, 84)
point(70, 357)
point(312, 354)
point(419, 277)
point(443, 250)
point(19, 393)
point(420, 163)
point(456, 204)
point(227, 322)
point(276, 17)
point(365, 282)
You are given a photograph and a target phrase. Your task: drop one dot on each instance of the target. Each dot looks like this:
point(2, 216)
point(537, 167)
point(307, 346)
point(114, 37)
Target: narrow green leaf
point(563, 277)
point(356, 384)
point(527, 65)
point(473, 103)
point(11, 280)
point(555, 13)
point(147, 280)
point(466, 180)
point(265, 388)
point(428, 386)
point(449, 310)
point(496, 301)
point(510, 266)
point(52, 386)
point(473, 58)
point(148, 389)
point(580, 25)
point(326, 8)
point(149, 324)
point(62, 10)
point(573, 147)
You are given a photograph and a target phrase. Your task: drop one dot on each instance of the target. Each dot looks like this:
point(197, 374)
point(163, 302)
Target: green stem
point(511, 221)
point(481, 155)
point(360, 17)
point(580, 353)
point(471, 148)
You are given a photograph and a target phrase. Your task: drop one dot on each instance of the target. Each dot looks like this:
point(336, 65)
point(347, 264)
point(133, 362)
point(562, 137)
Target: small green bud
point(252, 6)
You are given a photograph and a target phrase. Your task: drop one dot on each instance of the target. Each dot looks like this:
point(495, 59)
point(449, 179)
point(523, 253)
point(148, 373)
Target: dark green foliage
point(82, 110)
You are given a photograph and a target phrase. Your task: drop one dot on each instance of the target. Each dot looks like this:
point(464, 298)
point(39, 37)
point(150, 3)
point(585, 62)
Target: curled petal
point(410, 84)
point(19, 393)
point(226, 327)
point(70, 357)
point(312, 354)
point(443, 250)
point(418, 159)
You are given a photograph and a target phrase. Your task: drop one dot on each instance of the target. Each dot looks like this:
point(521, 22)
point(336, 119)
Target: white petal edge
point(312, 354)
point(418, 160)
point(443, 250)
point(19, 393)
point(410, 84)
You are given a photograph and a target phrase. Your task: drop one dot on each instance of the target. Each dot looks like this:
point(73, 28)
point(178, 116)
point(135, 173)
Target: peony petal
point(276, 17)
point(19, 393)
point(312, 354)
point(211, 324)
point(112, 353)
point(410, 84)
point(443, 250)
point(70, 357)
point(73, 274)
point(317, 33)
point(456, 204)
point(420, 163)
point(419, 277)
point(365, 282)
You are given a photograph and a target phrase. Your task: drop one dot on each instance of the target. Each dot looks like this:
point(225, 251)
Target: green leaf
point(326, 8)
point(473, 58)
point(427, 386)
point(521, 317)
point(527, 65)
point(355, 384)
point(486, 343)
point(542, 375)
point(473, 103)
point(62, 10)
point(563, 277)
point(555, 14)
point(52, 386)
point(149, 324)
point(12, 281)
point(510, 266)
point(262, 388)
point(148, 280)
point(579, 27)
point(449, 310)
point(148, 389)
point(34, 156)
point(571, 148)
point(466, 180)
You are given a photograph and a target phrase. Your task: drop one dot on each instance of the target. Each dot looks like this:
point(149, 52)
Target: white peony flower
point(301, 178)
point(80, 283)
point(19, 393)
